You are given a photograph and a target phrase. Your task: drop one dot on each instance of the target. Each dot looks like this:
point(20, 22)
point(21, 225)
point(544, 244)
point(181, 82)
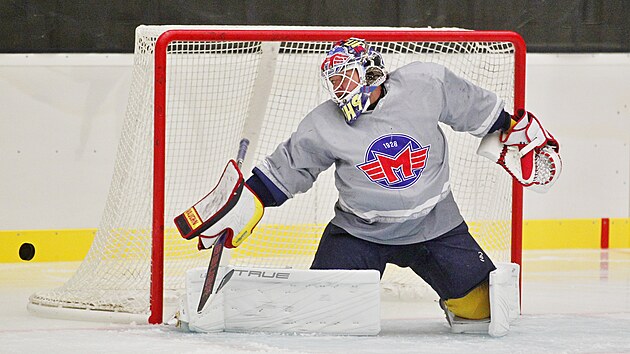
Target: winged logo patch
point(394, 161)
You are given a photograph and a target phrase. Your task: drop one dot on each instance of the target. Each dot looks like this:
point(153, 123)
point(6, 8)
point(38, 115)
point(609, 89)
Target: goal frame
point(285, 34)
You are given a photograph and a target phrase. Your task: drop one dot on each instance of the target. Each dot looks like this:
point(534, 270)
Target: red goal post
point(374, 35)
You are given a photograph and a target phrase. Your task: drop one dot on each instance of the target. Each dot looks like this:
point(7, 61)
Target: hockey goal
point(196, 91)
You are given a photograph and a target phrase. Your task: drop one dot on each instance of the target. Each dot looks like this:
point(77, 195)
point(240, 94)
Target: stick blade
point(213, 268)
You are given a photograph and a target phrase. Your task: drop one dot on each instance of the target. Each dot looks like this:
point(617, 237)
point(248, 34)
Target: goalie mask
point(351, 71)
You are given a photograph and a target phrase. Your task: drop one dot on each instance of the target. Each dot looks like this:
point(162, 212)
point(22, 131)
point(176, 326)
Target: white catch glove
point(231, 207)
point(528, 152)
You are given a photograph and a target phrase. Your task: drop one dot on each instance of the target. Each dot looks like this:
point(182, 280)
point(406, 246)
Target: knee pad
point(474, 306)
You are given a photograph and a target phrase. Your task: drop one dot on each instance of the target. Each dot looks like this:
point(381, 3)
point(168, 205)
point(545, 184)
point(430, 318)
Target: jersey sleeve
point(467, 107)
point(295, 164)
point(265, 189)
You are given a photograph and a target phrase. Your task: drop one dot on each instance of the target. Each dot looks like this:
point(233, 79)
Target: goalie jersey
point(391, 165)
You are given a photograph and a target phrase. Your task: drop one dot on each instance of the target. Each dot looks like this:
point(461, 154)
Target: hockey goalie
point(381, 131)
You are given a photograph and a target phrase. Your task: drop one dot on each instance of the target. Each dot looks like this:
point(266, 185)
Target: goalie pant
point(452, 264)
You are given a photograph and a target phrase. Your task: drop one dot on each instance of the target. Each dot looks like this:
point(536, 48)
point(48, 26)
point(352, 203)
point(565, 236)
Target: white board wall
point(61, 115)
point(584, 99)
point(60, 118)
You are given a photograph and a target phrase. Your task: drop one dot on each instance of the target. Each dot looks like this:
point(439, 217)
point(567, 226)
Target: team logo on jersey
point(395, 161)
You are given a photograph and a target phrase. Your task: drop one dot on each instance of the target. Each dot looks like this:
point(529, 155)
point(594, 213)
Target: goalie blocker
point(231, 208)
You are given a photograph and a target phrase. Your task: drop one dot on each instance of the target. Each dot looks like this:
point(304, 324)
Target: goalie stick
point(217, 248)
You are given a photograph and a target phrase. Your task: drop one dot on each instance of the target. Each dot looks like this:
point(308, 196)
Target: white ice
point(574, 301)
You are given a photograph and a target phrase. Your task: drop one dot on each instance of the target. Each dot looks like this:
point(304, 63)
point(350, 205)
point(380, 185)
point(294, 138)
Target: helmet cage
point(350, 73)
point(344, 81)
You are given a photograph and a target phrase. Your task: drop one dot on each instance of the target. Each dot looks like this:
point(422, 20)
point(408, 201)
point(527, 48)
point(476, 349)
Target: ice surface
point(574, 301)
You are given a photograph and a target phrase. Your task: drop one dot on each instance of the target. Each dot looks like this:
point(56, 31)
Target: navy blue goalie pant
point(452, 264)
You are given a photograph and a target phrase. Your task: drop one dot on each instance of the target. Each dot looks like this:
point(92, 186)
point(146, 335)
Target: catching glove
point(528, 152)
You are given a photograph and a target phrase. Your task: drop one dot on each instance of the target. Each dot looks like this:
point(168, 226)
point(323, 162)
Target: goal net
point(195, 92)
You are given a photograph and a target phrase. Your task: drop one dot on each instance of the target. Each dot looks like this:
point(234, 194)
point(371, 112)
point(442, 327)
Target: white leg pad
point(211, 318)
point(504, 298)
point(345, 302)
point(504, 304)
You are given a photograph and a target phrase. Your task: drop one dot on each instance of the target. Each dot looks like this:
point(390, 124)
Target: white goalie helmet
point(351, 71)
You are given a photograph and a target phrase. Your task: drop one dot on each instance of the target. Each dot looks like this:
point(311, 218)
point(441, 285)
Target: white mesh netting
point(218, 92)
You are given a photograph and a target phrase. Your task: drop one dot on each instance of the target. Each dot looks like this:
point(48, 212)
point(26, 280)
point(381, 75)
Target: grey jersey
point(391, 165)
